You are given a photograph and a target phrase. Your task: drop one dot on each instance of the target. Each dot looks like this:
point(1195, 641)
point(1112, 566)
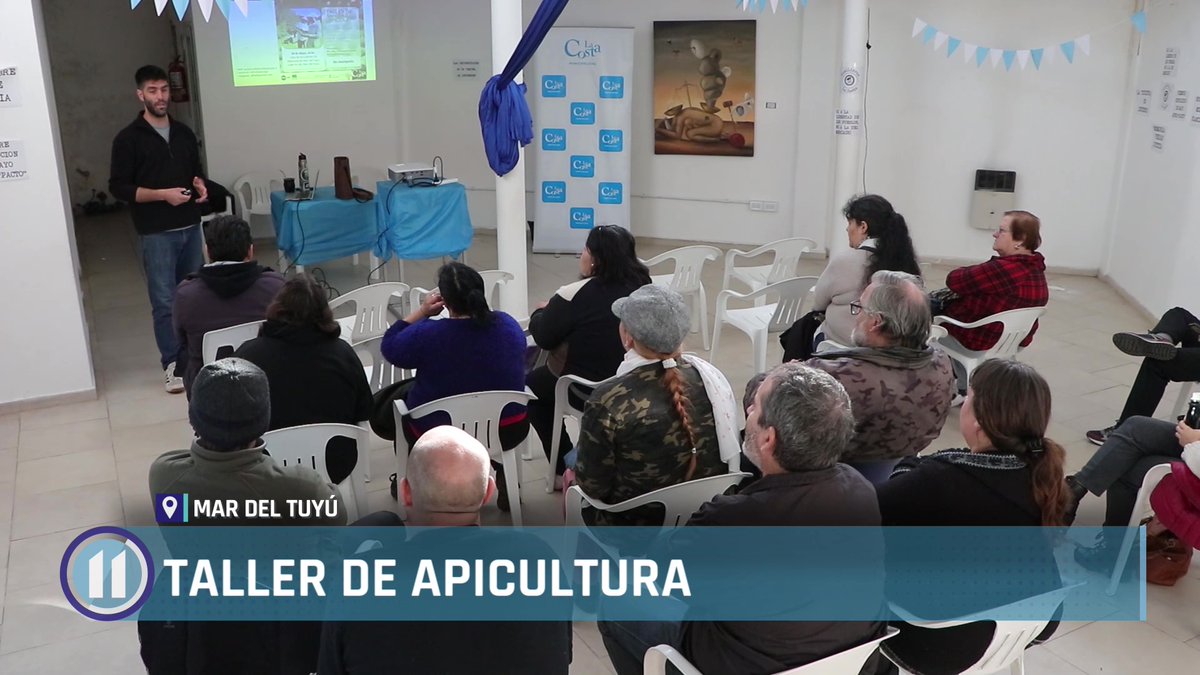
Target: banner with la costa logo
point(582, 116)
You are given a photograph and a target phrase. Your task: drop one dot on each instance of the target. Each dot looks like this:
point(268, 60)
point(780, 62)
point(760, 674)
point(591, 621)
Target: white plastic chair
point(305, 445)
point(680, 500)
point(479, 415)
point(1153, 477)
point(232, 337)
point(760, 321)
point(492, 281)
point(785, 263)
point(849, 662)
point(1007, 649)
point(1016, 325)
point(380, 373)
point(685, 280)
point(562, 410)
point(371, 317)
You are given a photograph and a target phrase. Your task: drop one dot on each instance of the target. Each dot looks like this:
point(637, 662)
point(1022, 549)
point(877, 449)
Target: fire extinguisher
point(177, 76)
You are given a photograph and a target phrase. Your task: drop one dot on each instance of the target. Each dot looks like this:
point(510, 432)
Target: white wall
point(1155, 236)
point(95, 48)
point(933, 120)
point(37, 257)
point(264, 128)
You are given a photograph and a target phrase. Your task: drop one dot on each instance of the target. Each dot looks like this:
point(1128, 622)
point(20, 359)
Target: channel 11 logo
point(106, 573)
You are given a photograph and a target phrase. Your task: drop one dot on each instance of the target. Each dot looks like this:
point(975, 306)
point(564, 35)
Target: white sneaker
point(172, 382)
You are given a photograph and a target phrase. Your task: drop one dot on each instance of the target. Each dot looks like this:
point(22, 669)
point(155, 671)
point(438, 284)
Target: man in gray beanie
point(230, 410)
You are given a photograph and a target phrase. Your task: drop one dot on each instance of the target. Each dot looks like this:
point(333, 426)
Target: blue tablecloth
point(323, 228)
point(422, 222)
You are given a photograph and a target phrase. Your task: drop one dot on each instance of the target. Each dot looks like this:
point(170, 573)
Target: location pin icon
point(169, 504)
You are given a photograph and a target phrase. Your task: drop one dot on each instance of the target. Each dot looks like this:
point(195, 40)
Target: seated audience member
point(448, 482)
point(476, 349)
point(799, 424)
point(1176, 500)
point(1117, 470)
point(666, 419)
point(1014, 278)
point(579, 330)
point(878, 241)
point(231, 290)
point(744, 462)
point(314, 375)
point(1010, 474)
point(1170, 353)
point(900, 388)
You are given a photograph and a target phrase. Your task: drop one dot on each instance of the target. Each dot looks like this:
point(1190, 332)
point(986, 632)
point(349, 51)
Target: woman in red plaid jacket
point(1014, 278)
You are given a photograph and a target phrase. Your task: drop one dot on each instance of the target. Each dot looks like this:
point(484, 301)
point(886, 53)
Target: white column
point(851, 82)
point(507, 26)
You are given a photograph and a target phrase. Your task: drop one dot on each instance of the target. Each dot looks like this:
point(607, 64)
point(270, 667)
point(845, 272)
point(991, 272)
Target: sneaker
point(1145, 344)
point(1098, 436)
point(172, 382)
point(1102, 557)
point(958, 400)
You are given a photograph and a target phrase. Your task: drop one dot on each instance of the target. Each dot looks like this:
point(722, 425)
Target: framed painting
point(704, 76)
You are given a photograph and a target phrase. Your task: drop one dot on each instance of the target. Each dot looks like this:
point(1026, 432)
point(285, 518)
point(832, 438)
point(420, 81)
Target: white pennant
point(918, 26)
point(939, 39)
point(160, 5)
point(968, 51)
point(243, 5)
point(996, 55)
point(205, 8)
point(1023, 57)
point(1084, 43)
point(1048, 54)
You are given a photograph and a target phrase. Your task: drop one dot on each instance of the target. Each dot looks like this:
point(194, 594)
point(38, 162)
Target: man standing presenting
point(156, 170)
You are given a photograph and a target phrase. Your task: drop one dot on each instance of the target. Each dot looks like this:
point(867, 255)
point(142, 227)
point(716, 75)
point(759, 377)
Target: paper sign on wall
point(1143, 101)
point(12, 160)
point(1181, 105)
point(10, 87)
point(1160, 137)
point(847, 122)
point(1170, 61)
point(1196, 111)
point(465, 69)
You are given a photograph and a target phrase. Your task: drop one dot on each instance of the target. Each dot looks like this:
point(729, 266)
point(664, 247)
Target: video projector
point(408, 173)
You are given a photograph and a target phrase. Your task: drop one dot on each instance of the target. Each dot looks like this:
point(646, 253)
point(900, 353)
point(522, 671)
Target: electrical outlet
point(756, 206)
point(770, 105)
point(770, 207)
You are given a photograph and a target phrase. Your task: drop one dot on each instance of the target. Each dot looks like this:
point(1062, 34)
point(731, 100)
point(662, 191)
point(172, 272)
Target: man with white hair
point(900, 388)
point(448, 482)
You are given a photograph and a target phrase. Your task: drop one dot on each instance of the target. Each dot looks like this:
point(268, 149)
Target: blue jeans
point(168, 257)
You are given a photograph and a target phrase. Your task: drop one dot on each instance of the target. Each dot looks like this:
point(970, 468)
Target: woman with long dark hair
point(314, 375)
point(1009, 475)
point(579, 330)
point(879, 240)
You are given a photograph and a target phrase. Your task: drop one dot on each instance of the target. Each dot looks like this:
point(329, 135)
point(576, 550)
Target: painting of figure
point(704, 88)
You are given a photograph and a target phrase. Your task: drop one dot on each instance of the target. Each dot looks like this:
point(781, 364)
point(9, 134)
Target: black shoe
point(1102, 557)
point(392, 487)
point(1098, 436)
point(1077, 493)
point(1145, 344)
point(501, 489)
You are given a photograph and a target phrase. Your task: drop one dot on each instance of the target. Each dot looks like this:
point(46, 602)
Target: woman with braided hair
point(666, 419)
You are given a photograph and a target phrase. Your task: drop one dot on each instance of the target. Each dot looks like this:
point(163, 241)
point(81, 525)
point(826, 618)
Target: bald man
point(448, 482)
point(900, 388)
point(449, 479)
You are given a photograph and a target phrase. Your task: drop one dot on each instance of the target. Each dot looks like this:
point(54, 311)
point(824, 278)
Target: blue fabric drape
point(503, 112)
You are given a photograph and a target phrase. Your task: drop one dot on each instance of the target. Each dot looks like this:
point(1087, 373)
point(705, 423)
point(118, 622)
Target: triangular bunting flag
point(952, 46)
point(223, 5)
point(774, 6)
point(981, 54)
point(1037, 58)
point(1139, 21)
point(928, 34)
point(205, 8)
point(804, 3)
point(1009, 55)
point(134, 3)
point(1068, 50)
point(1050, 54)
point(243, 5)
point(1023, 57)
point(939, 40)
point(160, 5)
point(918, 26)
point(180, 8)
point(996, 55)
point(1084, 43)
point(968, 52)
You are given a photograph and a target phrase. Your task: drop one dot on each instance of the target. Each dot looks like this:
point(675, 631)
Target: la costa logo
point(581, 49)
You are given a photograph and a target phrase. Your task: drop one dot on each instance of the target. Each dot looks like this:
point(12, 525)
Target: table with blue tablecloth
point(323, 228)
point(417, 223)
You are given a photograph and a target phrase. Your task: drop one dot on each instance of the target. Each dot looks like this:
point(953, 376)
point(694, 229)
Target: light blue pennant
point(134, 3)
point(952, 46)
point(1068, 50)
point(980, 55)
point(1139, 21)
point(928, 34)
point(1037, 58)
point(180, 7)
point(1009, 55)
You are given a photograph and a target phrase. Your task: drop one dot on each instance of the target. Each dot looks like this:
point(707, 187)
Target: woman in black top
point(314, 375)
point(1009, 474)
point(578, 328)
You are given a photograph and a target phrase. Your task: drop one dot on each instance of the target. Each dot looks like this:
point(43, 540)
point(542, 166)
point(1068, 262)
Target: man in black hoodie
point(231, 290)
point(156, 170)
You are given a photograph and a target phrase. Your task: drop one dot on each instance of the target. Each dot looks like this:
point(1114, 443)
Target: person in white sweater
point(878, 241)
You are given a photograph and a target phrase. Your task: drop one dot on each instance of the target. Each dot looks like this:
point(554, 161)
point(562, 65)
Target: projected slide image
point(302, 42)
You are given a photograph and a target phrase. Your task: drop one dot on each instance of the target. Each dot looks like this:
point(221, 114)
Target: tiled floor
point(70, 467)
